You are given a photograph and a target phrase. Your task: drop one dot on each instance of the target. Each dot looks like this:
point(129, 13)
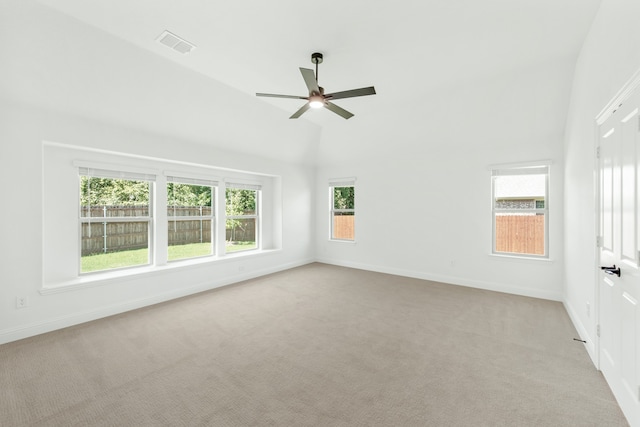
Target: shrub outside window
point(521, 211)
point(343, 210)
point(190, 215)
point(242, 217)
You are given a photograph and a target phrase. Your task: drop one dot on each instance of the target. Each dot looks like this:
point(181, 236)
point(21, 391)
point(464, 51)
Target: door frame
point(628, 89)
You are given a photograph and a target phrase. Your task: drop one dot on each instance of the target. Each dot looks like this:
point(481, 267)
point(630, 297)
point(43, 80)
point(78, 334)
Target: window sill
point(353, 242)
point(104, 278)
point(518, 258)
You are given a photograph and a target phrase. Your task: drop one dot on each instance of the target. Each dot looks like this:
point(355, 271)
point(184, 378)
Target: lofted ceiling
point(404, 48)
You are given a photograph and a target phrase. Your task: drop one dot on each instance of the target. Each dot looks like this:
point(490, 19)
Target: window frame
point(341, 183)
point(61, 242)
point(256, 215)
point(213, 184)
point(120, 174)
point(534, 168)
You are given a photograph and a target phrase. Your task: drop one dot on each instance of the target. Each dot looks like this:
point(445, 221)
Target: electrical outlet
point(22, 302)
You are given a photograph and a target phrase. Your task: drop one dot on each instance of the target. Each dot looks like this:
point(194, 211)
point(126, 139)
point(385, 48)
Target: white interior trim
point(517, 165)
point(115, 167)
point(617, 101)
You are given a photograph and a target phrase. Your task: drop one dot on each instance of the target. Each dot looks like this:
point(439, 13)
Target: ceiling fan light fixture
point(316, 101)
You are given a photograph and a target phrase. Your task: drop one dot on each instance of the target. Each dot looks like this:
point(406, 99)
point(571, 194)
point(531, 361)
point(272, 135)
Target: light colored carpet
point(317, 345)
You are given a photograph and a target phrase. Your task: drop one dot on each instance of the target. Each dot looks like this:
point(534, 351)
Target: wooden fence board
point(121, 236)
point(344, 227)
point(520, 234)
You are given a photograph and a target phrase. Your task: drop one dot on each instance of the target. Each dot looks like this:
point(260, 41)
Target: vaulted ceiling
point(406, 49)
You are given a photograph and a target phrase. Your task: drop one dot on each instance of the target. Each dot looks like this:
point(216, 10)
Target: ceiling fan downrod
point(316, 58)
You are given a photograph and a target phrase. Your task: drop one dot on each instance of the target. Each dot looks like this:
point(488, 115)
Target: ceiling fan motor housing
point(316, 58)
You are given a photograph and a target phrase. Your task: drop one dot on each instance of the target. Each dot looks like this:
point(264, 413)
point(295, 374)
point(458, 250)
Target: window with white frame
point(520, 206)
point(342, 212)
point(190, 217)
point(115, 219)
point(109, 215)
point(242, 209)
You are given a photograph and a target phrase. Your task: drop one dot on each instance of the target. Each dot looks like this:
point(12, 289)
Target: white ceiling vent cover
point(176, 43)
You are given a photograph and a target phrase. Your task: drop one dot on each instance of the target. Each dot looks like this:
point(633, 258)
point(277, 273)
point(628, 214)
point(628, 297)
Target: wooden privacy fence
point(520, 234)
point(104, 236)
point(343, 227)
point(241, 230)
point(101, 237)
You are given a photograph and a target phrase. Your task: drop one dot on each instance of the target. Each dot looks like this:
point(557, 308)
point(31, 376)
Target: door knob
point(612, 270)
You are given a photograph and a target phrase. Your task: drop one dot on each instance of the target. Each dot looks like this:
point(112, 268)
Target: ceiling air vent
point(176, 43)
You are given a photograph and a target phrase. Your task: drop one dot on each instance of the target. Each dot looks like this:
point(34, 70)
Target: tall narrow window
point(190, 214)
point(521, 211)
point(242, 217)
point(343, 210)
point(115, 219)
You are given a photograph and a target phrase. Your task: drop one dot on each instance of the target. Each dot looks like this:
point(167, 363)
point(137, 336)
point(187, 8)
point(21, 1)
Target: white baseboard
point(590, 344)
point(48, 325)
point(451, 280)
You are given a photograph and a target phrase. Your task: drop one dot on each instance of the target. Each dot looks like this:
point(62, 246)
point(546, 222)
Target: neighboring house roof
point(519, 186)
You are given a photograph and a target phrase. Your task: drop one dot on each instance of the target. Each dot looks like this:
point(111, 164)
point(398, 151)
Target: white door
point(619, 296)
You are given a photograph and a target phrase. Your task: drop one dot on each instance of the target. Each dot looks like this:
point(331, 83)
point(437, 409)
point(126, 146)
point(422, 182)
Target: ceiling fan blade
point(271, 95)
point(339, 111)
point(352, 93)
point(298, 113)
point(310, 79)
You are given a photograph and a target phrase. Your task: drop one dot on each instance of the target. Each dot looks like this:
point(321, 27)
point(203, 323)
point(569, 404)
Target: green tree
point(179, 194)
point(239, 202)
point(109, 191)
point(344, 197)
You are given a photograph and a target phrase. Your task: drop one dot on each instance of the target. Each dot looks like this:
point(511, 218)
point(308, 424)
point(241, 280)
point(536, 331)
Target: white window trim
point(340, 182)
point(247, 185)
point(98, 170)
point(60, 272)
point(204, 181)
point(520, 169)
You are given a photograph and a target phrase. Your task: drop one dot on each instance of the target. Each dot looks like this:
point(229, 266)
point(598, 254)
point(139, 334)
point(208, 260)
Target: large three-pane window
point(117, 223)
point(521, 211)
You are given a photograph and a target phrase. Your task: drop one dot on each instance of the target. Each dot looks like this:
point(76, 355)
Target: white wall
point(423, 190)
point(609, 58)
point(22, 131)
point(66, 82)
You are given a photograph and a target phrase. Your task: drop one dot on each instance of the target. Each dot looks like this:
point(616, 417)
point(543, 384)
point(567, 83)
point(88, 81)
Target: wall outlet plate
point(22, 302)
point(588, 309)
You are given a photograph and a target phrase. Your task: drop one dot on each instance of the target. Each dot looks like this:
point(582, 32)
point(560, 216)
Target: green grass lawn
point(111, 260)
point(189, 251)
point(239, 246)
point(136, 257)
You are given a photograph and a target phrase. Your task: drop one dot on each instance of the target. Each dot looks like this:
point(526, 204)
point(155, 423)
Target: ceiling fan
point(317, 98)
